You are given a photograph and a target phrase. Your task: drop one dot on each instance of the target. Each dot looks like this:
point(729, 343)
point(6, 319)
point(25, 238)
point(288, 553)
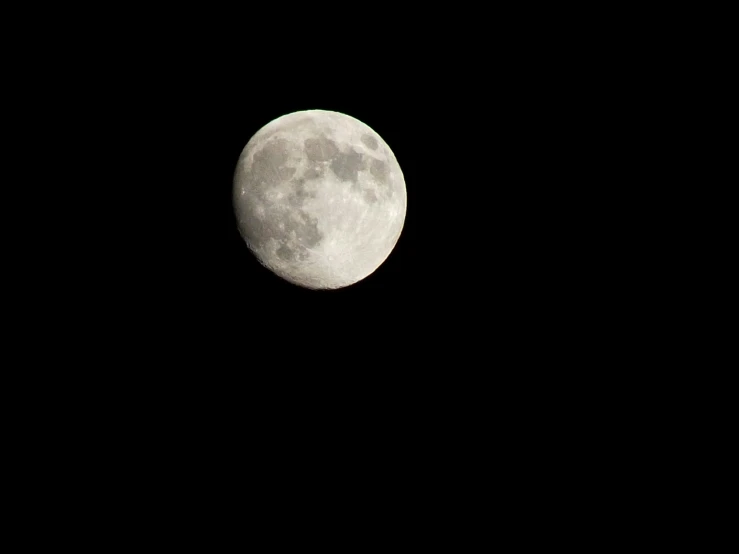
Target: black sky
point(498, 130)
point(501, 312)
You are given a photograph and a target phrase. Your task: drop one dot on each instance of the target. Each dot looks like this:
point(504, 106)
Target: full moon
point(319, 198)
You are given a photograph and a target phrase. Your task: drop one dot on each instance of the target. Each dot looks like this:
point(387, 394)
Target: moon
point(319, 198)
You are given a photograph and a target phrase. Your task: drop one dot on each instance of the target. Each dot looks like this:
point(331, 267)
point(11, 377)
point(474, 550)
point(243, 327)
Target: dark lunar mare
point(320, 149)
point(347, 165)
point(379, 171)
point(369, 141)
point(300, 194)
point(268, 169)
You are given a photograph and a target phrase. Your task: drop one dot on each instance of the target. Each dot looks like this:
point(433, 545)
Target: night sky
point(506, 252)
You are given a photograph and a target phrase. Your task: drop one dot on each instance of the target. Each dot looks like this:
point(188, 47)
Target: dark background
point(502, 331)
point(512, 355)
point(515, 138)
point(506, 132)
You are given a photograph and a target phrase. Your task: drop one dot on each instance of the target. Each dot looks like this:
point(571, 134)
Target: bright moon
point(319, 198)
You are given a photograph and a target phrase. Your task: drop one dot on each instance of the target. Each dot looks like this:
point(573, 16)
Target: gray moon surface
point(320, 198)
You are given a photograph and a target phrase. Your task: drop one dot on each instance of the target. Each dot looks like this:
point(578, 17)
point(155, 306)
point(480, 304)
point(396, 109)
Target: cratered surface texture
point(319, 198)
